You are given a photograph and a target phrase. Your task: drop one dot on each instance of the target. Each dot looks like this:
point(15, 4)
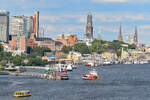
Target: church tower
point(89, 27)
point(120, 34)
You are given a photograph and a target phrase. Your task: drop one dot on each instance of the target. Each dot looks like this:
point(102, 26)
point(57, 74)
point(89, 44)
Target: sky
point(69, 16)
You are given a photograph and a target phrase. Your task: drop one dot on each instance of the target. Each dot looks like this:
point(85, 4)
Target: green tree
point(7, 56)
point(1, 48)
point(97, 46)
point(36, 62)
point(82, 48)
point(116, 46)
point(2, 68)
point(3, 62)
point(131, 46)
point(39, 51)
point(66, 49)
point(17, 60)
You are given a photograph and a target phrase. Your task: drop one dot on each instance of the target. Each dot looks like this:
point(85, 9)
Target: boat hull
point(64, 78)
point(21, 96)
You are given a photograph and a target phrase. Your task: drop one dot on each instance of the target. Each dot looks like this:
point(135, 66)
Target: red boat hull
point(87, 65)
point(64, 75)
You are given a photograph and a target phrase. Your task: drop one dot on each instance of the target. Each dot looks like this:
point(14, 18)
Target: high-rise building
point(120, 34)
point(29, 20)
point(18, 25)
point(22, 25)
point(36, 23)
point(18, 32)
point(89, 27)
point(136, 36)
point(4, 26)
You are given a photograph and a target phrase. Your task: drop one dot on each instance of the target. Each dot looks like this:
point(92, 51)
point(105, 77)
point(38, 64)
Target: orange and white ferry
point(92, 75)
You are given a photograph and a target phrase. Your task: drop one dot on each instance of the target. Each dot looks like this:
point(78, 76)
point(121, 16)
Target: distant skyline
point(69, 16)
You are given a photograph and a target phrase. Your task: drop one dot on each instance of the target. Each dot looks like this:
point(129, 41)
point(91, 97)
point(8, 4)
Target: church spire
point(120, 34)
point(136, 36)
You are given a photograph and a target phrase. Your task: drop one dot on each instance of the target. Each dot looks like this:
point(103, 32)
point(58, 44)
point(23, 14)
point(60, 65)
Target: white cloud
point(54, 30)
point(73, 23)
point(144, 27)
point(63, 29)
point(113, 29)
point(52, 19)
point(119, 1)
point(97, 17)
point(144, 33)
point(109, 0)
point(78, 18)
point(120, 17)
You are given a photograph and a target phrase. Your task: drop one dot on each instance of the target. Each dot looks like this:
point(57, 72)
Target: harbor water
point(117, 82)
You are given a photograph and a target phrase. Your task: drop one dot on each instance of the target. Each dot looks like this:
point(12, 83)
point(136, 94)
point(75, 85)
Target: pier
point(49, 76)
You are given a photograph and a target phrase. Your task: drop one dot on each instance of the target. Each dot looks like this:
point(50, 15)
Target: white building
point(129, 38)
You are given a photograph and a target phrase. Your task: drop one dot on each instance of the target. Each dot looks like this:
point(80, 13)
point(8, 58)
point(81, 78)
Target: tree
point(7, 56)
point(116, 46)
point(17, 60)
point(131, 46)
point(66, 49)
point(1, 48)
point(2, 68)
point(3, 62)
point(82, 48)
point(36, 62)
point(39, 51)
point(97, 46)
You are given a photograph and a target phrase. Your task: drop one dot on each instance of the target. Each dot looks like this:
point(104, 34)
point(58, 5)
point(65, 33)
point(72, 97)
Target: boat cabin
point(22, 94)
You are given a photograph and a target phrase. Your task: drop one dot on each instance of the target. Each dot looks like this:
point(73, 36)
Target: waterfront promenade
point(117, 82)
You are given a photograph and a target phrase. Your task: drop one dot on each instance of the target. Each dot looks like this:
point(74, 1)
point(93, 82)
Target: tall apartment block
point(29, 21)
point(4, 26)
point(18, 25)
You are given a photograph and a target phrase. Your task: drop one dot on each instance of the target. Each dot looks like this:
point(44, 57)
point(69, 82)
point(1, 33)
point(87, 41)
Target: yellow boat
point(22, 94)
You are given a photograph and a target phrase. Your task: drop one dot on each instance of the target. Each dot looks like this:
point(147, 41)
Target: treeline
point(34, 58)
point(98, 46)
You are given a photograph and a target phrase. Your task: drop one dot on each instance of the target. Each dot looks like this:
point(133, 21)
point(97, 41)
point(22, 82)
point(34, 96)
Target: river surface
point(117, 82)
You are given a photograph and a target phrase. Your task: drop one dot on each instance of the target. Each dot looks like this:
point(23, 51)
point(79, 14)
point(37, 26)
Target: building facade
point(29, 20)
point(18, 25)
point(66, 39)
point(129, 38)
point(4, 26)
point(36, 23)
point(18, 43)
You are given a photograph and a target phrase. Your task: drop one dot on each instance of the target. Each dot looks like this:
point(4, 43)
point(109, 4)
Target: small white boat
point(69, 67)
point(74, 66)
